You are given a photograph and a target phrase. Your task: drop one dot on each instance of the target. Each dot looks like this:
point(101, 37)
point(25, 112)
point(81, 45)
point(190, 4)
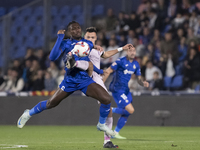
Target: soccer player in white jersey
point(94, 56)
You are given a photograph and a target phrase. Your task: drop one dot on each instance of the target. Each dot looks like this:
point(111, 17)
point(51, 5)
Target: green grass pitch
point(88, 138)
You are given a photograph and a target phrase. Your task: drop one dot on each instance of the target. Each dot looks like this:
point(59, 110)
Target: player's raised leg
point(96, 91)
point(58, 96)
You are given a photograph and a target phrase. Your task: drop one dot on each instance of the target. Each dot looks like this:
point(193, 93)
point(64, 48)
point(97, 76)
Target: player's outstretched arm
point(55, 52)
point(106, 74)
point(141, 82)
point(115, 51)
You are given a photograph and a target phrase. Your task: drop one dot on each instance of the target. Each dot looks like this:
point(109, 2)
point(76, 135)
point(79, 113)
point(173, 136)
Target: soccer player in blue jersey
point(95, 55)
point(123, 68)
point(75, 79)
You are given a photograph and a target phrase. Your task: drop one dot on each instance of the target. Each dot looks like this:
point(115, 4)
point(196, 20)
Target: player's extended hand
point(99, 48)
point(61, 32)
point(146, 84)
point(127, 46)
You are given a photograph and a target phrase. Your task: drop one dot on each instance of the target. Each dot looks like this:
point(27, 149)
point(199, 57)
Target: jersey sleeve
point(65, 45)
point(138, 70)
point(62, 45)
point(115, 64)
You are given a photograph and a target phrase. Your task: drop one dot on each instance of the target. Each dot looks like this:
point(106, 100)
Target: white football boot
point(23, 119)
point(103, 127)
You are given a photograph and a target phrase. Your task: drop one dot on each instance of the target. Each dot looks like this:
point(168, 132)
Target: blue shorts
point(122, 99)
point(71, 86)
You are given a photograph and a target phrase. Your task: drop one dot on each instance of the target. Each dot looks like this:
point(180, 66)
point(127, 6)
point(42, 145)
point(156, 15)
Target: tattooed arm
point(141, 82)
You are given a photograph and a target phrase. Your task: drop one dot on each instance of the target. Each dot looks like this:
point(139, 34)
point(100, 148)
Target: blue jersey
point(74, 75)
point(123, 69)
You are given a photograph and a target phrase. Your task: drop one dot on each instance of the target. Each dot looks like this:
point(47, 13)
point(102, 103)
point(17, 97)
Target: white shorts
point(98, 79)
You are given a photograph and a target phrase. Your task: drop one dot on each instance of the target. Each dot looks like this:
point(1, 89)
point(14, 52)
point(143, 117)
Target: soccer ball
point(81, 49)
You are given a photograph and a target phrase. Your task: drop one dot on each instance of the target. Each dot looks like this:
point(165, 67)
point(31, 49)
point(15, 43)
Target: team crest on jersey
point(113, 64)
point(134, 67)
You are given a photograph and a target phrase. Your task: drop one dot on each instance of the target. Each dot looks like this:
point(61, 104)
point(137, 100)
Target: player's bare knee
point(106, 99)
point(131, 111)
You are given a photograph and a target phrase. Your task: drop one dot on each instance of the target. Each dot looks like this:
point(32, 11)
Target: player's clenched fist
point(61, 32)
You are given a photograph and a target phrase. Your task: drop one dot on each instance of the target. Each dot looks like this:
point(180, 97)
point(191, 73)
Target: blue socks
point(38, 108)
point(104, 111)
point(121, 122)
point(120, 111)
point(123, 119)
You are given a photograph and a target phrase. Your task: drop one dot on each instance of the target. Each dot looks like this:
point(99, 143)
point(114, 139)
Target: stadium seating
point(167, 82)
point(80, 20)
point(28, 23)
point(39, 42)
point(65, 10)
point(76, 11)
point(19, 21)
point(30, 41)
point(26, 12)
point(66, 19)
point(25, 31)
point(20, 52)
point(98, 10)
point(38, 11)
point(177, 82)
point(197, 88)
point(37, 31)
point(12, 8)
point(13, 31)
point(54, 11)
point(31, 21)
point(2, 11)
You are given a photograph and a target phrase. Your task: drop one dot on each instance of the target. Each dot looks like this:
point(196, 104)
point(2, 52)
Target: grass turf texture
point(88, 138)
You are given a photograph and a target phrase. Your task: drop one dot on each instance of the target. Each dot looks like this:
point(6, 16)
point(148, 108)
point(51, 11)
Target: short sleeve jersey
point(123, 69)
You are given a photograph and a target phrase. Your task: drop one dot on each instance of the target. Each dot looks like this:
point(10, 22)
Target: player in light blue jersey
point(123, 68)
point(75, 79)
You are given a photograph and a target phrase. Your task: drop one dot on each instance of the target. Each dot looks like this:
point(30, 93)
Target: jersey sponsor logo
point(128, 72)
point(63, 88)
point(124, 96)
point(73, 43)
point(134, 67)
point(113, 64)
point(107, 110)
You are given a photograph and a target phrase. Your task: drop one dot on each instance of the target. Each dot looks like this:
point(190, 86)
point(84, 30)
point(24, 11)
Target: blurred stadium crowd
point(166, 35)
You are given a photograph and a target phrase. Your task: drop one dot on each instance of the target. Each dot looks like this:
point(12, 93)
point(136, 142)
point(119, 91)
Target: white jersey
point(94, 57)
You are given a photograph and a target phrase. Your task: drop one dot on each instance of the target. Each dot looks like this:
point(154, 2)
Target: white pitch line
point(6, 146)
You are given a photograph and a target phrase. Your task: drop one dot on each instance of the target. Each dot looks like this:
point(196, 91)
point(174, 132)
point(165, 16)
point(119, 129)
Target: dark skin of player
point(94, 90)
